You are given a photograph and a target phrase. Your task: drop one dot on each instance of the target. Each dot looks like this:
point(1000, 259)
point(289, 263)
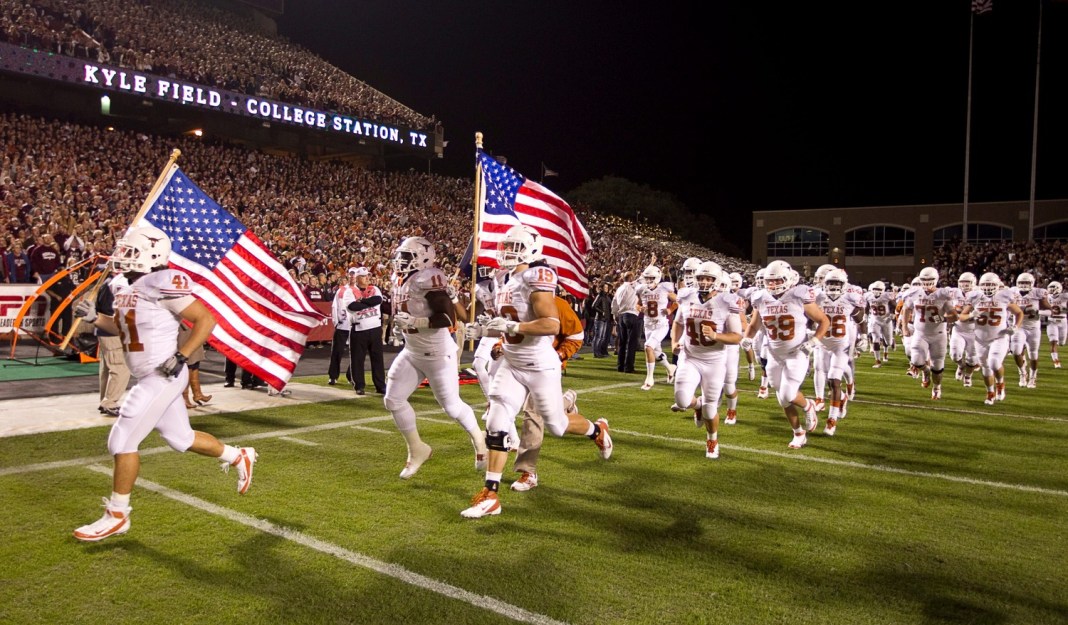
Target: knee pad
point(495, 441)
point(393, 404)
point(937, 371)
point(730, 389)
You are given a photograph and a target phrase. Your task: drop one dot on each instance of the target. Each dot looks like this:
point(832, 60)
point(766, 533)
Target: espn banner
point(12, 298)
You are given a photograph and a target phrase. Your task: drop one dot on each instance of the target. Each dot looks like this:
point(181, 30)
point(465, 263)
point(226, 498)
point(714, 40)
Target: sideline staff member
point(365, 337)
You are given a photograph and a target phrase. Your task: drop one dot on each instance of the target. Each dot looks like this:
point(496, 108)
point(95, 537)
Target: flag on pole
point(982, 6)
point(465, 260)
point(545, 171)
point(262, 316)
point(509, 199)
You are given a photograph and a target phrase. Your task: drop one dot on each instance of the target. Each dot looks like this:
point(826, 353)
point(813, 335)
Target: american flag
point(982, 6)
point(262, 316)
point(510, 199)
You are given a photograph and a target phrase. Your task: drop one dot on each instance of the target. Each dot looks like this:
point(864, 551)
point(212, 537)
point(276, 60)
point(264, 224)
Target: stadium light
point(105, 105)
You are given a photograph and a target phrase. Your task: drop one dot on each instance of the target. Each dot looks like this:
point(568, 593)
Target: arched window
point(797, 242)
point(1057, 231)
point(977, 233)
point(880, 241)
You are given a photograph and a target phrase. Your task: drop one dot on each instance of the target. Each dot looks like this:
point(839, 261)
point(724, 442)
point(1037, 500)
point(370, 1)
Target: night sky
point(749, 106)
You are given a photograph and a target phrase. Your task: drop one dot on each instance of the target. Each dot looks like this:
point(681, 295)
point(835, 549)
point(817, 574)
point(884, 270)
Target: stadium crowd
point(1045, 260)
point(201, 43)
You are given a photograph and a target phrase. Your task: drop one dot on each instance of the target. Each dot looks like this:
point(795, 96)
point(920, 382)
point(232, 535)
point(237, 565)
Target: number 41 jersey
point(784, 318)
point(514, 291)
point(148, 313)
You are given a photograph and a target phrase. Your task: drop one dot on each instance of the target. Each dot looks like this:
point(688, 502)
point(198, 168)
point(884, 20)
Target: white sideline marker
point(395, 571)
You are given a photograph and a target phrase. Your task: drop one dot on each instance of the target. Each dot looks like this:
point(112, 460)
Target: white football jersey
point(656, 302)
point(1029, 304)
point(991, 314)
point(484, 293)
point(881, 306)
point(926, 305)
point(840, 313)
point(1058, 305)
point(784, 318)
point(410, 296)
point(720, 312)
point(148, 313)
point(514, 291)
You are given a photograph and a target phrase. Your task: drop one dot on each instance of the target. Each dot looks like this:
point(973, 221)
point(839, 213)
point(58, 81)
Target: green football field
point(915, 512)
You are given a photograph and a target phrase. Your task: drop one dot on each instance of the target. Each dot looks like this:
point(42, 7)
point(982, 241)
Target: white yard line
point(298, 441)
point(395, 571)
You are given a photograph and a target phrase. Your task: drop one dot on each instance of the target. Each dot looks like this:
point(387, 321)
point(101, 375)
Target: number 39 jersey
point(655, 301)
point(839, 312)
point(784, 318)
point(148, 313)
point(720, 313)
point(991, 314)
point(410, 296)
point(514, 291)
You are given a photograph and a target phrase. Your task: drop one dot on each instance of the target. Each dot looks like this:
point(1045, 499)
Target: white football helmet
point(966, 282)
point(706, 276)
point(736, 280)
point(878, 287)
point(689, 266)
point(485, 272)
point(795, 278)
point(413, 254)
point(759, 279)
point(834, 283)
point(1054, 288)
point(989, 283)
point(1025, 282)
point(141, 250)
point(821, 274)
point(777, 276)
point(928, 278)
point(651, 276)
point(521, 245)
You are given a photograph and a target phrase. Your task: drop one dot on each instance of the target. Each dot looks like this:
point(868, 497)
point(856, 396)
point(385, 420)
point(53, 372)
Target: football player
point(880, 319)
point(841, 307)
point(148, 311)
point(926, 314)
point(1024, 344)
point(425, 313)
point(656, 300)
point(528, 321)
point(1057, 328)
point(783, 313)
point(992, 308)
point(962, 348)
point(701, 332)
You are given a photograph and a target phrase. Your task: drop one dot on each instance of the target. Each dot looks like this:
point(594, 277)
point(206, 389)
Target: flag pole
point(968, 126)
point(175, 153)
point(1034, 134)
point(475, 244)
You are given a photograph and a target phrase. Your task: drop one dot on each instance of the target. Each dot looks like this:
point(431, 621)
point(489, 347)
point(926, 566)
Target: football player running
point(991, 308)
point(700, 334)
point(750, 357)
point(656, 299)
point(528, 320)
point(1057, 327)
point(926, 312)
point(841, 308)
point(148, 312)
point(962, 349)
point(1024, 344)
point(783, 312)
point(881, 321)
point(425, 313)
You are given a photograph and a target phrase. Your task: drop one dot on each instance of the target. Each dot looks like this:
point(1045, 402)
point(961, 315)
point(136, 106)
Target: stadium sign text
point(51, 66)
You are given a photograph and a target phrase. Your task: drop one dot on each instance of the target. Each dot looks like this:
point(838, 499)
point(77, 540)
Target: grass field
point(916, 512)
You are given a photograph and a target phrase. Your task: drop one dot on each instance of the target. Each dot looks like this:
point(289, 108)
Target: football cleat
point(525, 482)
point(925, 380)
point(819, 404)
point(1023, 381)
point(711, 449)
point(485, 503)
point(936, 392)
point(416, 458)
point(1000, 396)
point(676, 408)
point(967, 381)
point(799, 441)
point(990, 398)
point(811, 418)
point(762, 393)
point(732, 417)
point(878, 363)
point(114, 522)
point(699, 417)
point(1056, 364)
point(960, 373)
point(570, 401)
point(603, 439)
point(246, 458)
point(648, 385)
point(851, 391)
point(1032, 381)
point(830, 427)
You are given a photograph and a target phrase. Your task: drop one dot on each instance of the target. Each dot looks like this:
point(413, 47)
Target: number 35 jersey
point(148, 313)
point(410, 296)
point(720, 313)
point(784, 318)
point(514, 291)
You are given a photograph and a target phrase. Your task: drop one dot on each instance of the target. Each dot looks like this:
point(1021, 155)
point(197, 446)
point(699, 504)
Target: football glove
point(862, 344)
point(1011, 330)
point(935, 318)
point(173, 366)
point(746, 343)
point(405, 321)
point(473, 332)
point(809, 346)
point(503, 325)
point(86, 309)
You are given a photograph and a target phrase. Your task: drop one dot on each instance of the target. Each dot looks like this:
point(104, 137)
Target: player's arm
point(858, 315)
point(203, 323)
point(441, 309)
point(1017, 312)
point(732, 331)
point(106, 323)
point(754, 326)
point(906, 320)
point(965, 312)
point(816, 314)
point(546, 322)
point(676, 333)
